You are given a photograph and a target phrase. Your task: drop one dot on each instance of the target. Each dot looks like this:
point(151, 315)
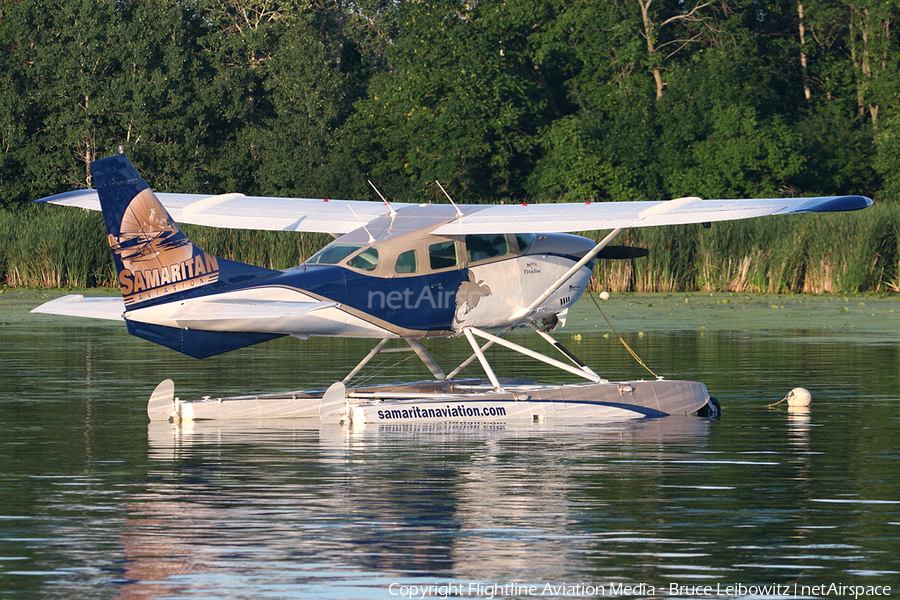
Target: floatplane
point(394, 272)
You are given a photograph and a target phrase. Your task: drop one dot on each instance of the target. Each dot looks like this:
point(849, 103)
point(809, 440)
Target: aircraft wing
point(76, 305)
point(569, 217)
point(236, 211)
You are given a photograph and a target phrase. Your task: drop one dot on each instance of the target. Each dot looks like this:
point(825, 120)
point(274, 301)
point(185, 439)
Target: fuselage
point(392, 278)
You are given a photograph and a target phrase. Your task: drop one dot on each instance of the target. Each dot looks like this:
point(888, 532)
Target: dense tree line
point(515, 100)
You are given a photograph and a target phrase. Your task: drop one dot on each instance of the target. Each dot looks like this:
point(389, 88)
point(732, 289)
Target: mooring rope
point(624, 343)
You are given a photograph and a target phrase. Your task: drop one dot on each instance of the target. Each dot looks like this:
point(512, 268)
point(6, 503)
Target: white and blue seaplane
point(395, 271)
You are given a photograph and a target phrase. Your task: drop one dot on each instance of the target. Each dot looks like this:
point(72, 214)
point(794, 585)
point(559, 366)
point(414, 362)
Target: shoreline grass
point(825, 253)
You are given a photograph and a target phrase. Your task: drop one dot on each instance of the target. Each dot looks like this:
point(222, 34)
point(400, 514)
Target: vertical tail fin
point(155, 261)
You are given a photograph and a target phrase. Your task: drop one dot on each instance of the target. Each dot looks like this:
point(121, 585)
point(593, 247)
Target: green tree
point(92, 75)
point(724, 133)
point(284, 76)
point(462, 104)
point(855, 88)
point(58, 61)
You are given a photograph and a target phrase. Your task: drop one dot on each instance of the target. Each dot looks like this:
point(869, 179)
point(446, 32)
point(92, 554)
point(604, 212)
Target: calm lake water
point(97, 503)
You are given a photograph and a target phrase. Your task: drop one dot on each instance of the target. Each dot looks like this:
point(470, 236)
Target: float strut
point(535, 355)
point(423, 355)
point(481, 358)
point(469, 360)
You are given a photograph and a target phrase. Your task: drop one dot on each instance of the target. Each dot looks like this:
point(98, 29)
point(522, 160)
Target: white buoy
point(799, 397)
point(604, 295)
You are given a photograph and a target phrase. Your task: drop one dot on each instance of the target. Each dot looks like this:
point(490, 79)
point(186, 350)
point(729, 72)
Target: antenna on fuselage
point(458, 212)
point(393, 212)
point(366, 229)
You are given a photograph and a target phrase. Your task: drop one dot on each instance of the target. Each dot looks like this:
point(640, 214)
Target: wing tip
point(836, 204)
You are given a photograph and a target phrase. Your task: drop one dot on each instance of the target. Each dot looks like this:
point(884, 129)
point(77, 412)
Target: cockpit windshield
point(524, 240)
point(483, 247)
point(366, 260)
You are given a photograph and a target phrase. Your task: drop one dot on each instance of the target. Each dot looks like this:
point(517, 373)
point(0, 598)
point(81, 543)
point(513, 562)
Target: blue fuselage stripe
point(421, 302)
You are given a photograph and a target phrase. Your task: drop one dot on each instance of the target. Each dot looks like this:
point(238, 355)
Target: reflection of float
point(170, 441)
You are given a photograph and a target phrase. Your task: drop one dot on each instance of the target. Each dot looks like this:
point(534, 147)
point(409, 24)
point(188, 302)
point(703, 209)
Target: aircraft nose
point(582, 245)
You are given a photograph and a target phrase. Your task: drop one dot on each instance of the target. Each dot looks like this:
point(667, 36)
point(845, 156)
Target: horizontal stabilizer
point(240, 309)
point(76, 305)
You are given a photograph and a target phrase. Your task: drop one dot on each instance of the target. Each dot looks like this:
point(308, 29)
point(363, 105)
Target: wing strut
point(568, 274)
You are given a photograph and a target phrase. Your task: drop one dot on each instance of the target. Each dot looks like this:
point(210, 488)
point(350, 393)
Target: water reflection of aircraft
point(299, 503)
point(397, 271)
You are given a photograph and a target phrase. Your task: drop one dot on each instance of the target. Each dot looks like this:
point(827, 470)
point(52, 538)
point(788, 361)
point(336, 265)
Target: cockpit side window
point(366, 260)
point(524, 240)
point(443, 255)
point(482, 247)
point(408, 262)
point(332, 255)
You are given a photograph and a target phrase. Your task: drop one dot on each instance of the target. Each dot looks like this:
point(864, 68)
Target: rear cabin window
point(366, 260)
point(442, 255)
point(483, 247)
point(408, 262)
point(332, 255)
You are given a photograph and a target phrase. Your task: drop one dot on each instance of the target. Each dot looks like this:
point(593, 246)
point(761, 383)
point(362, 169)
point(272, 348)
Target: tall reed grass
point(825, 253)
point(43, 246)
point(50, 246)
